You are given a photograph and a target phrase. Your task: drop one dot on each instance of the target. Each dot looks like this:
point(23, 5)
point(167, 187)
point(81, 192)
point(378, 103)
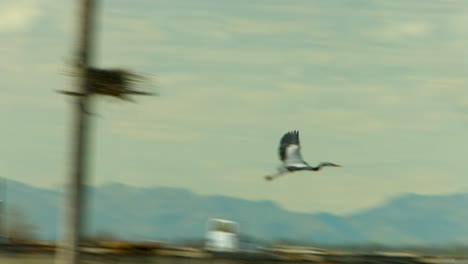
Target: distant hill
point(174, 214)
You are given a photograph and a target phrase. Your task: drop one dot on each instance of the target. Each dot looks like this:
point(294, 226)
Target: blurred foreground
point(157, 252)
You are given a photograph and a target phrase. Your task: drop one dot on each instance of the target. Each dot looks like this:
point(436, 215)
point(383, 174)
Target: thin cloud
point(257, 26)
point(290, 8)
point(153, 132)
point(397, 31)
point(18, 15)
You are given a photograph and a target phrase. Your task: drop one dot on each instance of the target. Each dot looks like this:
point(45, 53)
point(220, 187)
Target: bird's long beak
point(336, 165)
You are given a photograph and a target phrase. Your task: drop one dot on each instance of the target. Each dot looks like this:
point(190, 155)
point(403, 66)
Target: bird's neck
point(321, 165)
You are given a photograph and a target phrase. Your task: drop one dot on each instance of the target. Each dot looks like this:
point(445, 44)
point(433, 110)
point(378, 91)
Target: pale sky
point(379, 87)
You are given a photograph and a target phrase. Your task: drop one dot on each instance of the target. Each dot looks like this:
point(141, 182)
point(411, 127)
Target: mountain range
point(172, 214)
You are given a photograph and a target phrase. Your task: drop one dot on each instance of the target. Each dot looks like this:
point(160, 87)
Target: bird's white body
point(293, 155)
point(290, 155)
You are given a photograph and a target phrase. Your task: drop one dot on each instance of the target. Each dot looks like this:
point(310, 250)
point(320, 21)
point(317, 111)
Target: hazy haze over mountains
point(172, 214)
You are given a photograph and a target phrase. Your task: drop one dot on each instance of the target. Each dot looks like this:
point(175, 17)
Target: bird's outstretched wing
point(289, 149)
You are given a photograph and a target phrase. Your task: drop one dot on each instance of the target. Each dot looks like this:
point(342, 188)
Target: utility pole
point(91, 81)
point(74, 195)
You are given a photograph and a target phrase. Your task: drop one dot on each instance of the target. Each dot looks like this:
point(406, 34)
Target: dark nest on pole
point(116, 83)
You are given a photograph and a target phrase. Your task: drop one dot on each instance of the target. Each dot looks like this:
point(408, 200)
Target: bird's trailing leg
point(274, 176)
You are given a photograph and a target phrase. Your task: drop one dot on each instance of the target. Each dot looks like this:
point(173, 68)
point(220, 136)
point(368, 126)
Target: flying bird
point(290, 155)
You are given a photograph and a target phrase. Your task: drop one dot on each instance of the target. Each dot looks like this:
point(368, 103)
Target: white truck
point(222, 235)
